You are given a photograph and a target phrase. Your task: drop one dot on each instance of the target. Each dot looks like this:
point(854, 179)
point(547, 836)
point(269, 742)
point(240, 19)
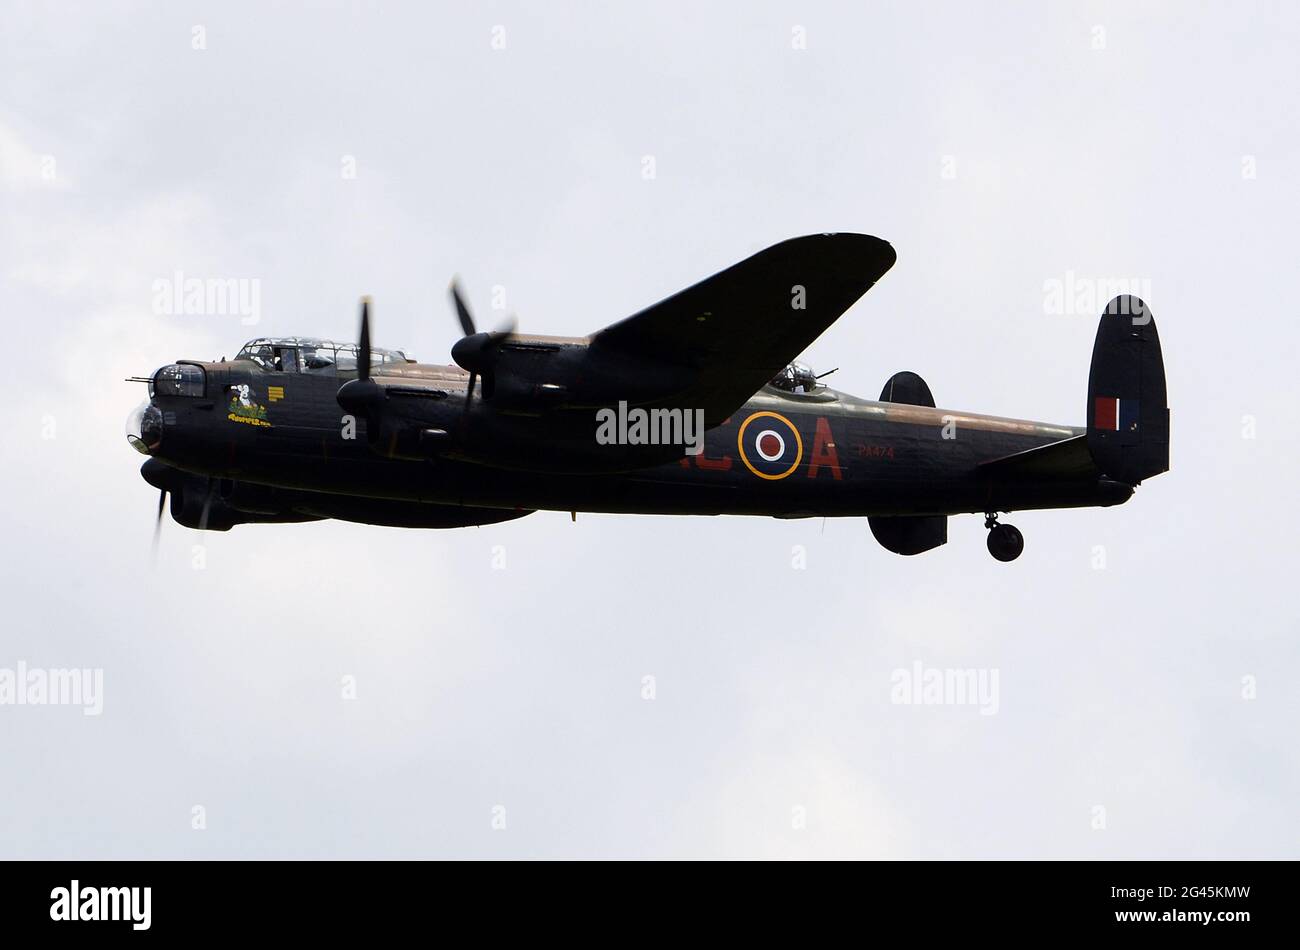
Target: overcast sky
point(499, 672)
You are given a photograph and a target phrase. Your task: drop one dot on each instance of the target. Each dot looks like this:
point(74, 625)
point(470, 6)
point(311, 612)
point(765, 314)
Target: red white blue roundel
point(770, 445)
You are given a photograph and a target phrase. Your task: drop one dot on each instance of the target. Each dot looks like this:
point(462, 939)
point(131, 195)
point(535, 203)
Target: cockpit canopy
point(797, 378)
point(299, 354)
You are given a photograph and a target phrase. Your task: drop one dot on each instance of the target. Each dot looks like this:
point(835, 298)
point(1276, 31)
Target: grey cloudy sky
point(993, 144)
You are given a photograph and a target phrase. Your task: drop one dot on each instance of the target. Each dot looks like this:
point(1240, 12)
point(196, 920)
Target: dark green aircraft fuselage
point(782, 454)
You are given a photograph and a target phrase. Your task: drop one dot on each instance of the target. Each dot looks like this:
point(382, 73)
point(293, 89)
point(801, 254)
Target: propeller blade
point(157, 525)
point(477, 352)
point(462, 311)
point(362, 396)
point(507, 329)
point(207, 507)
point(363, 345)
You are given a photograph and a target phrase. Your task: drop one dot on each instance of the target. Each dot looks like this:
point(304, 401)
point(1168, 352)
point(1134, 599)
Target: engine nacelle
point(251, 499)
point(189, 499)
point(217, 504)
point(211, 504)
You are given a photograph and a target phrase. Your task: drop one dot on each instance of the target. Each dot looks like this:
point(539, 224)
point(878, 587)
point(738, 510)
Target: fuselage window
point(286, 358)
point(319, 360)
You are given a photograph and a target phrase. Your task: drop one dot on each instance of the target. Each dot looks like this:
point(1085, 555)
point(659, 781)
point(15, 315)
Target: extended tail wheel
point(1005, 541)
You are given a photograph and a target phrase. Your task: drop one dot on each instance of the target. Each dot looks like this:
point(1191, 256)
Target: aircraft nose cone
point(144, 428)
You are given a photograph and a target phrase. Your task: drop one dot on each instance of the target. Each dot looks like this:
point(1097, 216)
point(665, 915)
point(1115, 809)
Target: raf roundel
point(770, 445)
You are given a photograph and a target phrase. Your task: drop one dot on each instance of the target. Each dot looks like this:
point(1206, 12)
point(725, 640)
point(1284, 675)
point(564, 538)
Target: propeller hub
point(360, 396)
point(160, 476)
point(471, 352)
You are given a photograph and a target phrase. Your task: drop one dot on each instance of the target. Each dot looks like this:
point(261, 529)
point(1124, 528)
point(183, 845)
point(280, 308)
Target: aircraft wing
point(726, 336)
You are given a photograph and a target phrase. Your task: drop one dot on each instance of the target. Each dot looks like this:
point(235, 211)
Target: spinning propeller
point(169, 480)
point(477, 352)
point(363, 396)
point(157, 525)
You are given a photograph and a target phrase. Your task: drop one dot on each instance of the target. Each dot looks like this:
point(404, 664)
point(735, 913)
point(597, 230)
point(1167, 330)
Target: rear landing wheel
point(1005, 542)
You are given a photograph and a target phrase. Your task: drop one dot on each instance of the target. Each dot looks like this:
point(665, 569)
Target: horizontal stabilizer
point(1067, 459)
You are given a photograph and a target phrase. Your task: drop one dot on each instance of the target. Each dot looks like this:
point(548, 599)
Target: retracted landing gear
point(1005, 541)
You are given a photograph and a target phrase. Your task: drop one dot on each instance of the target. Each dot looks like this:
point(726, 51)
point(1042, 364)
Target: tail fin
point(1128, 419)
point(908, 388)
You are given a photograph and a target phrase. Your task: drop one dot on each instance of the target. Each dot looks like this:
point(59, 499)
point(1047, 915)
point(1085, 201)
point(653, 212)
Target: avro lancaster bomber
point(693, 406)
